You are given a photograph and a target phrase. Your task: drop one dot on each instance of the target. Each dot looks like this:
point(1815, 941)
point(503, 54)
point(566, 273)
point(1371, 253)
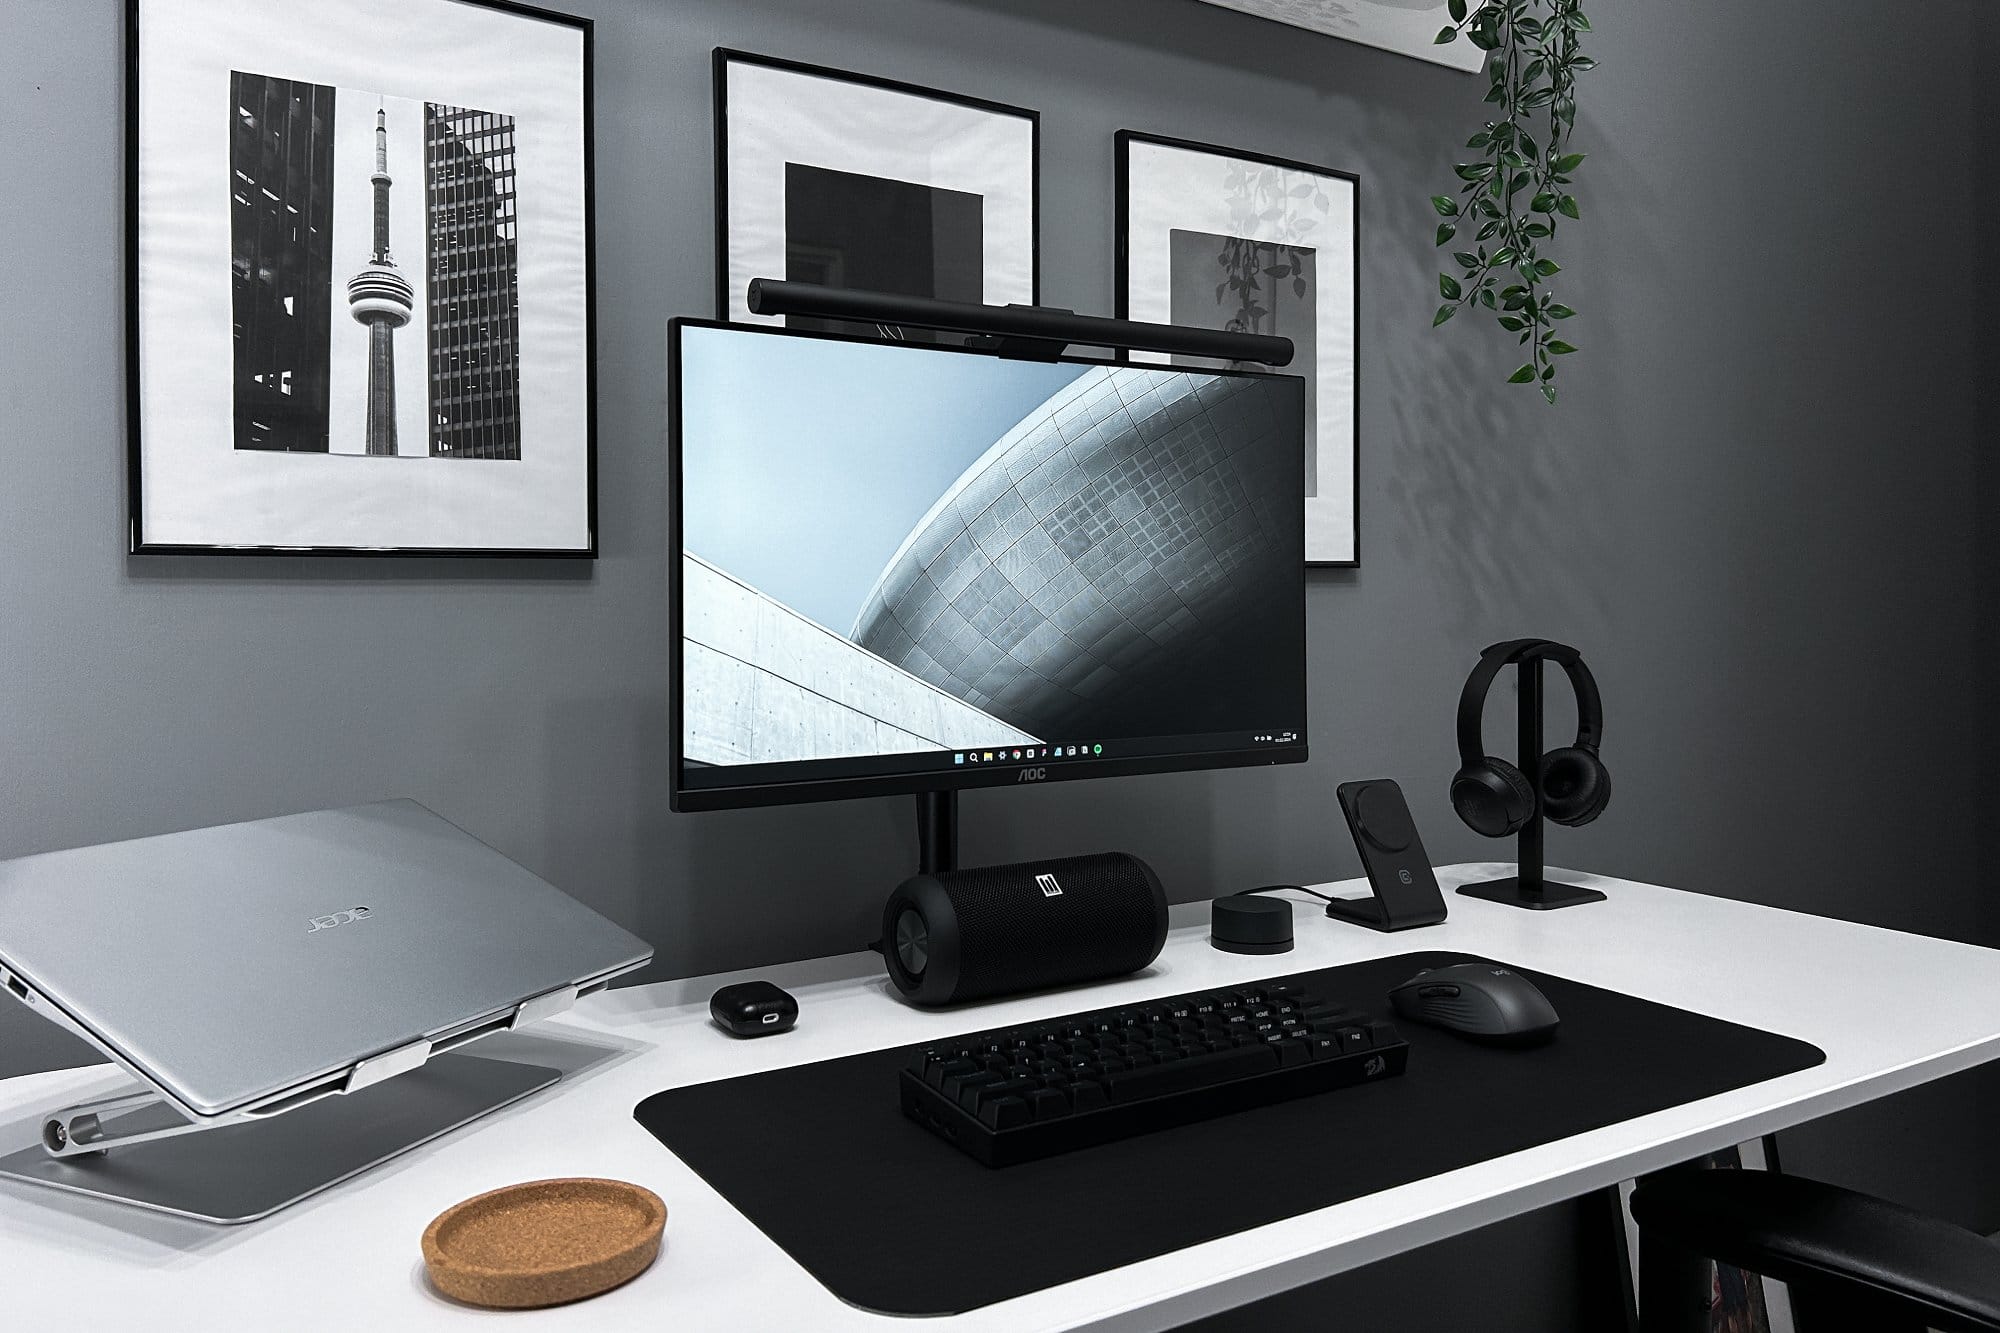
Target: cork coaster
point(547, 1242)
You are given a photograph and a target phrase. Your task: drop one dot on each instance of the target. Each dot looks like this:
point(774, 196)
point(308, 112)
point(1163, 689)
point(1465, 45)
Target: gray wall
point(1755, 508)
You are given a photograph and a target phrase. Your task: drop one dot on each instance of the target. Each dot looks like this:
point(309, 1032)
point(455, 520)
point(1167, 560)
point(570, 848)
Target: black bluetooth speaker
point(970, 934)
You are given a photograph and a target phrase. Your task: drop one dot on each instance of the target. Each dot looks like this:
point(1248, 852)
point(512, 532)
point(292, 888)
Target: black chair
point(1851, 1261)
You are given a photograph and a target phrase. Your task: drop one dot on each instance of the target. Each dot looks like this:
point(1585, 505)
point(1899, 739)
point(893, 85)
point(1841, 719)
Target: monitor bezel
point(1009, 774)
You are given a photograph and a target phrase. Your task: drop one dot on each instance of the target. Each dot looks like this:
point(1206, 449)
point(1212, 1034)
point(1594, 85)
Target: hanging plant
point(1512, 200)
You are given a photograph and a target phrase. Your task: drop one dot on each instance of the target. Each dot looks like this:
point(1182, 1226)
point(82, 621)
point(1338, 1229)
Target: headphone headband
point(1472, 699)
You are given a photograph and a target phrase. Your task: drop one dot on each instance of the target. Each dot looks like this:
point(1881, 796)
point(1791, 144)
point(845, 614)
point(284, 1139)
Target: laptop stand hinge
point(387, 1065)
point(543, 1006)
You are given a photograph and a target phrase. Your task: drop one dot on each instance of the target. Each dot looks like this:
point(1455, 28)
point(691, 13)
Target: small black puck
point(1250, 923)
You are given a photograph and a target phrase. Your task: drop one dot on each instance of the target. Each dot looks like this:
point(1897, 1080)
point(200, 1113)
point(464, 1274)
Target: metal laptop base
point(242, 1172)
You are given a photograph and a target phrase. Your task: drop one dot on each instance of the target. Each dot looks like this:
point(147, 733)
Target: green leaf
point(1479, 140)
point(1557, 347)
point(1445, 232)
point(1445, 205)
point(1547, 268)
point(1556, 311)
point(1569, 162)
point(1448, 287)
point(1506, 255)
point(1477, 171)
point(1577, 21)
point(1525, 375)
point(1444, 313)
point(1457, 8)
point(1486, 296)
point(1581, 64)
point(1445, 35)
point(1466, 259)
point(1488, 232)
point(1549, 392)
point(1538, 230)
point(1567, 207)
point(1513, 323)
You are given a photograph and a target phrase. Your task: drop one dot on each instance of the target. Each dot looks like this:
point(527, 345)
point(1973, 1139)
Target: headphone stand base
point(1547, 896)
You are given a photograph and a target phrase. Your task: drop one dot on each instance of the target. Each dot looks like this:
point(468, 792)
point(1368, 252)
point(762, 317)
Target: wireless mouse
point(1479, 1000)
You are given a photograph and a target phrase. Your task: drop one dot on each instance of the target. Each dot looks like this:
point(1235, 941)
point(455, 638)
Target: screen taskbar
point(1089, 750)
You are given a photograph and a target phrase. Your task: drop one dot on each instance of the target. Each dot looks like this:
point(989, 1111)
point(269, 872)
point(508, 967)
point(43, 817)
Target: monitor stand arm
point(937, 831)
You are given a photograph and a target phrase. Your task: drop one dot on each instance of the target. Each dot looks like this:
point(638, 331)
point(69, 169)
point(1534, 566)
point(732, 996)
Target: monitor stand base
point(243, 1172)
point(1540, 898)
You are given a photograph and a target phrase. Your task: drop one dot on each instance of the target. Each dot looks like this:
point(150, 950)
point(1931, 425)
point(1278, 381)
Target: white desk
point(1890, 1010)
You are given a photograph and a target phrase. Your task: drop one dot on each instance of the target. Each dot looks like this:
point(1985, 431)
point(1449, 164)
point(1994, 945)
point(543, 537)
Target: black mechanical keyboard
point(1043, 1088)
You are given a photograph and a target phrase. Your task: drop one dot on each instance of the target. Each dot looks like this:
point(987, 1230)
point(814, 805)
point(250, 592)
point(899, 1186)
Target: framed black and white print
point(360, 278)
point(1219, 239)
point(861, 183)
point(1738, 1301)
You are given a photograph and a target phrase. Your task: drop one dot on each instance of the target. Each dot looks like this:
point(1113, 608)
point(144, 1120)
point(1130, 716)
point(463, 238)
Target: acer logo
point(1048, 885)
point(348, 917)
point(1032, 775)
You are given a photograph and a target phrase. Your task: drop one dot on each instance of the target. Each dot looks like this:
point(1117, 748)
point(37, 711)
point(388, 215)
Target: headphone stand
point(1528, 887)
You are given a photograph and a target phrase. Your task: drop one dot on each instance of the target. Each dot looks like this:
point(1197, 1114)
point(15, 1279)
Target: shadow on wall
point(1451, 457)
point(1475, 459)
point(712, 891)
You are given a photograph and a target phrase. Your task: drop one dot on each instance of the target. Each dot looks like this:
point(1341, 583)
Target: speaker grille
point(1044, 923)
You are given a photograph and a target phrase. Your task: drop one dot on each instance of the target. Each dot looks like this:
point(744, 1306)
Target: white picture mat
point(781, 116)
point(1171, 187)
point(1407, 27)
point(197, 488)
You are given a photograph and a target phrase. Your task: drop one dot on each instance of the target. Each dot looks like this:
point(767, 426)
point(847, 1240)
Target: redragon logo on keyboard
point(1048, 885)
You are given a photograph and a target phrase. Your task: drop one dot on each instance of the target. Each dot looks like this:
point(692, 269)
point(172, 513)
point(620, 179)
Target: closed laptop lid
point(228, 964)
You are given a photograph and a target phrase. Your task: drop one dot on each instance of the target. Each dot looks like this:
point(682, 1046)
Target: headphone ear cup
point(1575, 785)
point(1493, 797)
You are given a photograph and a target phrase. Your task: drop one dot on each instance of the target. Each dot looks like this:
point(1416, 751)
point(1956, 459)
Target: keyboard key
point(938, 1073)
point(1047, 1104)
point(1088, 1095)
point(966, 1091)
point(1005, 1113)
point(1291, 1051)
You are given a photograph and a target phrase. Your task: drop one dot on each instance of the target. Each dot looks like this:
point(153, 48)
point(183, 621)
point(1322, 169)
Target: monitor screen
point(906, 567)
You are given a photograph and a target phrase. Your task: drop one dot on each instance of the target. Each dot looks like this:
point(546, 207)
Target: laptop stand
point(135, 1149)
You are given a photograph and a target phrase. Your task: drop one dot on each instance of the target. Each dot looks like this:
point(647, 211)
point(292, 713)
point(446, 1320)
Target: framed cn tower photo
point(361, 278)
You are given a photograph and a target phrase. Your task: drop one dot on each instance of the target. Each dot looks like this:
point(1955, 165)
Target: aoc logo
point(348, 917)
point(1032, 775)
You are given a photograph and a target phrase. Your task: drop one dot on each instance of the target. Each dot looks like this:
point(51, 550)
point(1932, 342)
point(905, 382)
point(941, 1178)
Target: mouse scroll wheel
point(1438, 992)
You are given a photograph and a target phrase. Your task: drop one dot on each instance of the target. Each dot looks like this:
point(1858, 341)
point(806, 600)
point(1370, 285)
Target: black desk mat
point(894, 1220)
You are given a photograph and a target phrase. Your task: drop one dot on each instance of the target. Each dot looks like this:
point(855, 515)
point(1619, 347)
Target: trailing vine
point(1520, 190)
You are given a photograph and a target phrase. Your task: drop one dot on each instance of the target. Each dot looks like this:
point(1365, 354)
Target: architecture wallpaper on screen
point(898, 550)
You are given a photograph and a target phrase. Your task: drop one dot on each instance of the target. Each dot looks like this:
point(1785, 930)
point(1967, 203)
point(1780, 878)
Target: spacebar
point(1197, 1071)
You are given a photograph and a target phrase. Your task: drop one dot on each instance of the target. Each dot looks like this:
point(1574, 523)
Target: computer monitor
point(912, 567)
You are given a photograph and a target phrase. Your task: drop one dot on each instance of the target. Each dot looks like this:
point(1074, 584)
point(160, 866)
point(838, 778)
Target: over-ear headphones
point(1495, 798)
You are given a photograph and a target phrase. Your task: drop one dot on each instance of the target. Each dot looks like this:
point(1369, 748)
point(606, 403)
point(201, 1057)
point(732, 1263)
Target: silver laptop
point(253, 967)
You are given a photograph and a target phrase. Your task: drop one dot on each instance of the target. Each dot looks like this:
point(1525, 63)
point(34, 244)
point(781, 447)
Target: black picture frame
point(1124, 140)
point(139, 544)
point(724, 56)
